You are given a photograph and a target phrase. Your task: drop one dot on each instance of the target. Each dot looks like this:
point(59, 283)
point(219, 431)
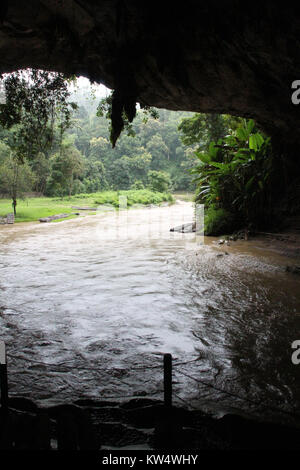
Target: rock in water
point(185, 228)
point(53, 217)
point(293, 269)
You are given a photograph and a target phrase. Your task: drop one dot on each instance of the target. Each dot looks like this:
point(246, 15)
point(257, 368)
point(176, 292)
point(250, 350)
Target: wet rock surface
point(100, 425)
point(53, 217)
point(293, 269)
point(184, 228)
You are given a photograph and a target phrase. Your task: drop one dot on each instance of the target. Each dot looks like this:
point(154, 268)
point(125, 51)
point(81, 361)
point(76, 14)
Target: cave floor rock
point(139, 423)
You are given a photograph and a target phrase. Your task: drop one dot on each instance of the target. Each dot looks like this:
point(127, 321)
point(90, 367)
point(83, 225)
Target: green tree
point(138, 184)
point(41, 168)
point(35, 100)
point(15, 179)
point(202, 129)
point(120, 176)
point(159, 151)
point(125, 170)
point(159, 181)
point(66, 166)
point(4, 151)
point(94, 176)
point(140, 165)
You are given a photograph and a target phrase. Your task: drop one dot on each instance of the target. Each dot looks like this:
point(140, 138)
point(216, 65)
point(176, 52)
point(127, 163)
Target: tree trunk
point(14, 204)
point(14, 188)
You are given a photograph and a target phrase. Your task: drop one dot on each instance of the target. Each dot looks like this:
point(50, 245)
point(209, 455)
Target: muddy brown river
point(89, 306)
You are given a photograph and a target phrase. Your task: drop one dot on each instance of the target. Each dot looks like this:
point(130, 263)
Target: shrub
point(159, 181)
point(218, 221)
point(237, 174)
point(142, 196)
point(78, 187)
point(138, 184)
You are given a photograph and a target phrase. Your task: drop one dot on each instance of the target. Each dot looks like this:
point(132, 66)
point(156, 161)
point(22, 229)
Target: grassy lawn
point(32, 209)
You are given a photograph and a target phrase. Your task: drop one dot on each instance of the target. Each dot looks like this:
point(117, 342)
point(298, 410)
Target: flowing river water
point(88, 307)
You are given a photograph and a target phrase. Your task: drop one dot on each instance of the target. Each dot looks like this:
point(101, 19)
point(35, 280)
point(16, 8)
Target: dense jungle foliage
point(234, 177)
point(55, 141)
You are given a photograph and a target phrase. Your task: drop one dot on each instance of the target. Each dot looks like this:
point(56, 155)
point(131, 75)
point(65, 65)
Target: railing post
point(3, 377)
point(168, 380)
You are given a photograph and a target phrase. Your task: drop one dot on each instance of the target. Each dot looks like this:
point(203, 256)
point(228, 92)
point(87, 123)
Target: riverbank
point(34, 208)
point(285, 244)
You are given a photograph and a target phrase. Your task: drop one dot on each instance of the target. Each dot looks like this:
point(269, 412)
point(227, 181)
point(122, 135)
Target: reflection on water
point(90, 315)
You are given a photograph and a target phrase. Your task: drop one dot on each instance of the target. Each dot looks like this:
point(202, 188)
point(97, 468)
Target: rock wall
point(221, 57)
